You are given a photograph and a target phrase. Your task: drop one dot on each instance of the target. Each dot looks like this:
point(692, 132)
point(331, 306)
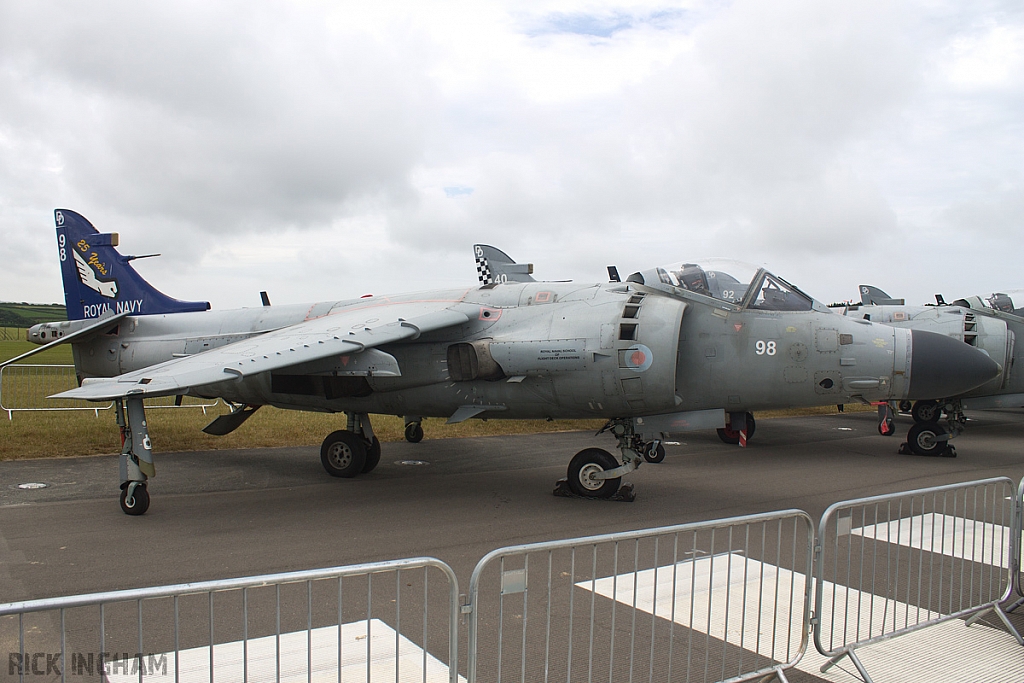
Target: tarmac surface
point(221, 514)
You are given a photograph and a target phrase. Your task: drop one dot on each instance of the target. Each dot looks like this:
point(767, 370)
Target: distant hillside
point(27, 315)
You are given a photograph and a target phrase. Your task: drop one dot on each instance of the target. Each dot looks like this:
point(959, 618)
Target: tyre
point(372, 455)
point(414, 432)
point(343, 454)
point(926, 411)
point(654, 454)
point(732, 436)
point(139, 502)
point(925, 438)
point(584, 465)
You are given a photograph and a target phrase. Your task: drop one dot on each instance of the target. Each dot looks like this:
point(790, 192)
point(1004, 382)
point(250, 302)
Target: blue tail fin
point(98, 280)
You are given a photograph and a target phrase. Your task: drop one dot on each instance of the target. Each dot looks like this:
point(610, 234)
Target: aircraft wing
point(349, 331)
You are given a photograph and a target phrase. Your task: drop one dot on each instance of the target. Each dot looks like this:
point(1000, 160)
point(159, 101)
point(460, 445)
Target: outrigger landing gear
point(353, 451)
point(413, 429)
point(594, 472)
point(929, 437)
point(136, 462)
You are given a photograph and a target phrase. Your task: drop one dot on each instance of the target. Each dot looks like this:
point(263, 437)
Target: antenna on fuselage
point(613, 274)
point(265, 298)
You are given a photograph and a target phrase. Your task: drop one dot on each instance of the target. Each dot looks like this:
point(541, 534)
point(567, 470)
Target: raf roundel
point(639, 357)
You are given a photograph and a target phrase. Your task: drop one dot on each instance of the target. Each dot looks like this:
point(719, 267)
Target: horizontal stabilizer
point(82, 334)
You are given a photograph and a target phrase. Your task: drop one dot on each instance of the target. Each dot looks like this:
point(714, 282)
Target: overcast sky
point(325, 150)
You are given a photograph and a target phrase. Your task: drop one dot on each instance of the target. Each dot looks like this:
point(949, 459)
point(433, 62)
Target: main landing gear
point(352, 451)
point(595, 473)
point(931, 433)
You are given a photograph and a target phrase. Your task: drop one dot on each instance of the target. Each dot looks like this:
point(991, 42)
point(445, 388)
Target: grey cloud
point(228, 115)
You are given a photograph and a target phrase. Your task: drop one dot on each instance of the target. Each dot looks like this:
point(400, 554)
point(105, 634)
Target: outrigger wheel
point(344, 454)
point(134, 498)
point(582, 468)
point(414, 432)
point(654, 452)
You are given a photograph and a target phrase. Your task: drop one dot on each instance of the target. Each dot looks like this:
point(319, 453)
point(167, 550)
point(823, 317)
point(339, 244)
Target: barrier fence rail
point(379, 621)
point(1018, 539)
point(890, 565)
point(709, 601)
point(24, 387)
point(725, 600)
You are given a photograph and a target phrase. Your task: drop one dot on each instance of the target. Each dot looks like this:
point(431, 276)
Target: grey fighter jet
point(989, 323)
point(684, 346)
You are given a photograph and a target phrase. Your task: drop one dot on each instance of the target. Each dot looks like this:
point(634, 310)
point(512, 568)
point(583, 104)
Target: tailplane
point(98, 281)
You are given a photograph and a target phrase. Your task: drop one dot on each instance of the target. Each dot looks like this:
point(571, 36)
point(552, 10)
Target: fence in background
point(889, 565)
point(366, 622)
point(12, 333)
point(24, 388)
point(710, 601)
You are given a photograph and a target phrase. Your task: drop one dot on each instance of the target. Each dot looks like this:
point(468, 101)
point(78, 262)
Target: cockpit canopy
point(734, 282)
point(997, 301)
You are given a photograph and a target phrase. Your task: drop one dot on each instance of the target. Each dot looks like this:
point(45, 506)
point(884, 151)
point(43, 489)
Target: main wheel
point(925, 438)
point(343, 454)
point(582, 468)
point(414, 432)
point(138, 503)
point(926, 411)
point(372, 455)
point(732, 436)
point(655, 454)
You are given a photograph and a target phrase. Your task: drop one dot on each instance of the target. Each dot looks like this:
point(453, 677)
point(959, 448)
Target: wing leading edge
point(346, 332)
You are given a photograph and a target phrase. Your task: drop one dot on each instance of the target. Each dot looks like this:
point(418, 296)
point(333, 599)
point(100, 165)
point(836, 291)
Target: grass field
point(26, 315)
point(76, 433)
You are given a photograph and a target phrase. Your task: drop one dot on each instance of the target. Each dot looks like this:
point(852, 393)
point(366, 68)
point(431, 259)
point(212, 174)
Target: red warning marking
point(737, 326)
point(638, 358)
point(542, 297)
point(743, 438)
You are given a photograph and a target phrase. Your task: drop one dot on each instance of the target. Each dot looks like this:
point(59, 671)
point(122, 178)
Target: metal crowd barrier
point(379, 621)
point(1018, 540)
point(24, 388)
point(709, 601)
point(893, 564)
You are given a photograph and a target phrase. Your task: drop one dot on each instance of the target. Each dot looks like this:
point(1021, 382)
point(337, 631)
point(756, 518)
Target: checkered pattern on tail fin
point(483, 269)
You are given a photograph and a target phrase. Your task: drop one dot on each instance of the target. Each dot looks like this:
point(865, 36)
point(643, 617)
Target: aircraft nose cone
point(942, 367)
